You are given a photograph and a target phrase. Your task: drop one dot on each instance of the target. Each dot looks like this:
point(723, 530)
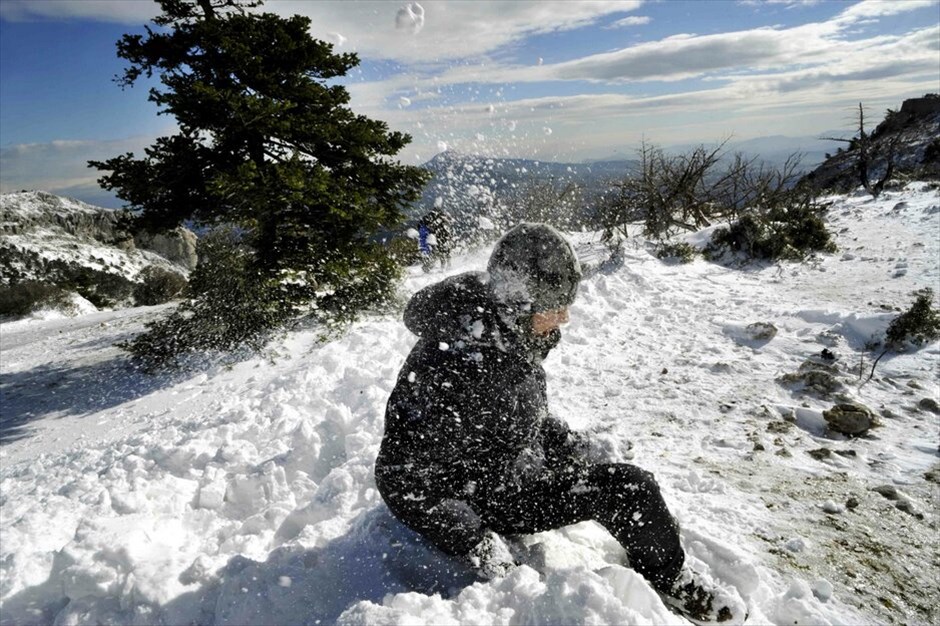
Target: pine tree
point(268, 144)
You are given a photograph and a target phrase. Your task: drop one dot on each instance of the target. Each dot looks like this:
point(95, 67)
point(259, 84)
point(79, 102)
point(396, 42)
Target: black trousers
point(623, 498)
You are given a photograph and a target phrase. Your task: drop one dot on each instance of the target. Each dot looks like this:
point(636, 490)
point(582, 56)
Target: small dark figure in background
point(435, 240)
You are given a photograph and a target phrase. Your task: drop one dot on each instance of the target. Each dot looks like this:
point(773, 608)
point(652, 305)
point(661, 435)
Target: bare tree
point(868, 152)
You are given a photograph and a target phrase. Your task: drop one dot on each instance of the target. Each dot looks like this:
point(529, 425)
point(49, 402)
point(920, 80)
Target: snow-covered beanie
point(534, 268)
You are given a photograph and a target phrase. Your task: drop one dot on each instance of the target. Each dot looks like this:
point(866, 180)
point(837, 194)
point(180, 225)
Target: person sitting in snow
point(471, 451)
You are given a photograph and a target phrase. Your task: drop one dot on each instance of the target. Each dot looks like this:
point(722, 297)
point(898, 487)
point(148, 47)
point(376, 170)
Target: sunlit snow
point(245, 494)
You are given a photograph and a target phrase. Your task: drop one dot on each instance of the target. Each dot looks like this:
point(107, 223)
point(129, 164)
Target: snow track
point(244, 495)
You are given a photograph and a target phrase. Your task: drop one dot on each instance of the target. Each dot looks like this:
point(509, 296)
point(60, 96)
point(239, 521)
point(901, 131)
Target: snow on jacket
point(469, 408)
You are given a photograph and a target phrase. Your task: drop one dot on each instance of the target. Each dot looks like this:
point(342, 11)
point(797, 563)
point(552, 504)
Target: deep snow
point(244, 494)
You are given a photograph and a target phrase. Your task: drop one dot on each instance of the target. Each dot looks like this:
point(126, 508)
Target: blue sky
point(564, 81)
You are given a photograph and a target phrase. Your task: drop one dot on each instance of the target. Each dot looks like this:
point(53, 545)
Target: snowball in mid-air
point(442, 146)
point(410, 18)
point(404, 101)
point(337, 39)
point(548, 131)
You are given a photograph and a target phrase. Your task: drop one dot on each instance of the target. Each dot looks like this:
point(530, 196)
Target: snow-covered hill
point(244, 494)
point(37, 228)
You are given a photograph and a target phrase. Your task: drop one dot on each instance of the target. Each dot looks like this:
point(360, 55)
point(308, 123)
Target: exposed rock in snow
point(849, 419)
point(43, 233)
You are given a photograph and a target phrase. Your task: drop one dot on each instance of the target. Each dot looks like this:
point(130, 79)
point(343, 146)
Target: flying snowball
point(548, 131)
point(410, 18)
point(442, 146)
point(337, 39)
point(541, 60)
point(404, 101)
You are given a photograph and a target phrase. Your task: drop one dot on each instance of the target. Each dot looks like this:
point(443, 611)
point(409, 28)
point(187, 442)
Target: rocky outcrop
point(910, 136)
point(42, 234)
point(177, 245)
point(25, 211)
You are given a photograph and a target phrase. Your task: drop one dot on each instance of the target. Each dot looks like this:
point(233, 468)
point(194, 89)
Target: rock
point(908, 507)
point(847, 453)
point(817, 376)
point(820, 454)
point(888, 491)
point(761, 331)
point(929, 404)
point(177, 245)
point(851, 503)
point(849, 419)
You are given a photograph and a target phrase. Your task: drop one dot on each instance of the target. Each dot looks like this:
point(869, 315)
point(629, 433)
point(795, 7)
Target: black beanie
point(535, 268)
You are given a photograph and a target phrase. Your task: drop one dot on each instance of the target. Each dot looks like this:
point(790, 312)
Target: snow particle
point(822, 589)
point(797, 544)
point(410, 18)
point(443, 346)
point(284, 581)
point(412, 377)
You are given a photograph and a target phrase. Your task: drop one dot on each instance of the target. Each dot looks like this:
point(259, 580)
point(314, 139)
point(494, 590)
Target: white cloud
point(632, 20)
point(868, 9)
point(448, 30)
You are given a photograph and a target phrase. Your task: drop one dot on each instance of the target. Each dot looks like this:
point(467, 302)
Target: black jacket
point(469, 409)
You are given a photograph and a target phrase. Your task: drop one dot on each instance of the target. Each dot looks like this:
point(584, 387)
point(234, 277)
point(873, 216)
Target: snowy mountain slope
point(39, 227)
point(244, 495)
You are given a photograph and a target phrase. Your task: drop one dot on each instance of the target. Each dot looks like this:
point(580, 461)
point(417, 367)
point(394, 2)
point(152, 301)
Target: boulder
point(761, 331)
point(849, 419)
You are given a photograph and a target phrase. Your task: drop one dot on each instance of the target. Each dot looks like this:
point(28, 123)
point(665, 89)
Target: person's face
point(545, 322)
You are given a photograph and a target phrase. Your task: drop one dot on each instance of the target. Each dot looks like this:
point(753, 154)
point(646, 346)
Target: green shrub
point(679, 251)
point(103, 289)
point(918, 325)
point(159, 285)
point(788, 233)
point(23, 298)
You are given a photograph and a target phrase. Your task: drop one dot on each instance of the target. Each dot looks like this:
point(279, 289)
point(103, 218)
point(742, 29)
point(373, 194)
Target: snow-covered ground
point(244, 494)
